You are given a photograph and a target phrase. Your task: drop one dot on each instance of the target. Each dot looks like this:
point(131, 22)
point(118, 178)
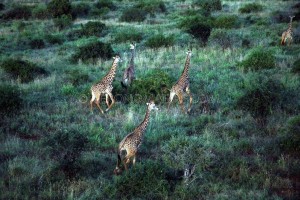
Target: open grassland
point(242, 134)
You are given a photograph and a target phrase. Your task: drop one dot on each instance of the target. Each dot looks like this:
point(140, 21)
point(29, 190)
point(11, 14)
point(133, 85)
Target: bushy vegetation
point(58, 8)
point(23, 70)
point(209, 5)
point(226, 21)
point(54, 38)
point(17, 12)
point(198, 26)
point(220, 38)
point(93, 29)
point(10, 100)
point(40, 12)
point(63, 21)
point(2, 6)
point(251, 7)
point(258, 59)
point(152, 7)
point(37, 43)
point(128, 35)
point(296, 67)
point(81, 9)
point(93, 51)
point(154, 85)
point(133, 15)
point(292, 130)
point(101, 4)
point(160, 40)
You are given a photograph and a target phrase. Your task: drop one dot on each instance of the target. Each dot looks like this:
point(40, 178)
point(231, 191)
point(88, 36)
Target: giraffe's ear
point(147, 104)
point(114, 57)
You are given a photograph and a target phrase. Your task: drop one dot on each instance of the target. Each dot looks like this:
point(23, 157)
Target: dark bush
point(154, 85)
point(58, 8)
point(149, 182)
point(18, 12)
point(160, 40)
point(133, 15)
point(260, 100)
point(77, 77)
point(210, 5)
point(296, 67)
point(251, 7)
point(152, 6)
point(40, 12)
point(93, 51)
point(23, 70)
point(81, 10)
point(289, 141)
point(105, 4)
point(63, 21)
point(93, 29)
point(65, 146)
point(280, 17)
point(258, 59)
point(10, 100)
point(37, 43)
point(221, 38)
point(198, 26)
point(54, 39)
point(226, 21)
point(2, 6)
point(129, 35)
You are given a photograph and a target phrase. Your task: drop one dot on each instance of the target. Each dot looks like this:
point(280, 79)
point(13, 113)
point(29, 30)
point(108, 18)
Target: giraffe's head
point(117, 59)
point(292, 17)
point(132, 46)
point(189, 53)
point(151, 106)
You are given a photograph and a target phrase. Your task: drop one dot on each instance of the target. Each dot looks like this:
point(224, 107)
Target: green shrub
point(260, 100)
point(40, 12)
point(154, 85)
point(128, 35)
point(93, 51)
point(63, 21)
point(100, 4)
point(160, 40)
point(152, 6)
point(251, 7)
point(221, 38)
point(18, 12)
point(10, 100)
point(289, 141)
point(258, 59)
point(77, 77)
point(198, 26)
point(96, 12)
point(58, 8)
point(93, 29)
point(68, 90)
point(148, 179)
point(209, 5)
point(296, 67)
point(133, 15)
point(65, 146)
point(226, 21)
point(23, 70)
point(54, 39)
point(37, 43)
point(81, 9)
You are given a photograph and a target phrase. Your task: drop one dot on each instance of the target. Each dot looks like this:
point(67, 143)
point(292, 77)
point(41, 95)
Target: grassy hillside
point(242, 134)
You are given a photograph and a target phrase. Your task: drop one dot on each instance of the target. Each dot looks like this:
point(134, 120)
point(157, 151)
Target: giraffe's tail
point(283, 41)
point(118, 170)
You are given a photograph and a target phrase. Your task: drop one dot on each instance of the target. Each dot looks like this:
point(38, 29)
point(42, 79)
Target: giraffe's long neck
point(131, 62)
point(185, 73)
point(112, 72)
point(142, 127)
point(290, 24)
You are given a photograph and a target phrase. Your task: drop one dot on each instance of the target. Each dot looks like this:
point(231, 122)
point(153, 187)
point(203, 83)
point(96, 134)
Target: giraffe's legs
point(134, 159)
point(92, 100)
point(180, 97)
point(126, 161)
point(107, 100)
point(97, 103)
point(112, 101)
point(191, 98)
point(172, 94)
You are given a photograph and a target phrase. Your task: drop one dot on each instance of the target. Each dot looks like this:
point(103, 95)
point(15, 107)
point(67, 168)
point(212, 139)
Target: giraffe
point(288, 34)
point(133, 140)
point(182, 85)
point(129, 72)
point(105, 87)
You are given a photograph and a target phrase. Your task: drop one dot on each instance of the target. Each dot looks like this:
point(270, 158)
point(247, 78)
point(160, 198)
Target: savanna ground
point(243, 132)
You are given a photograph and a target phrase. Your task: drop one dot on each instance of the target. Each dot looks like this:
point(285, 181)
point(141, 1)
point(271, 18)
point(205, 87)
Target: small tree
point(57, 8)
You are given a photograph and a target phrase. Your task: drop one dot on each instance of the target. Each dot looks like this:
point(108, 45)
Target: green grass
point(53, 147)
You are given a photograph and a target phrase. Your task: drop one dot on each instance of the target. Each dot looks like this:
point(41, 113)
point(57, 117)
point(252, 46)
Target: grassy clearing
point(242, 134)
